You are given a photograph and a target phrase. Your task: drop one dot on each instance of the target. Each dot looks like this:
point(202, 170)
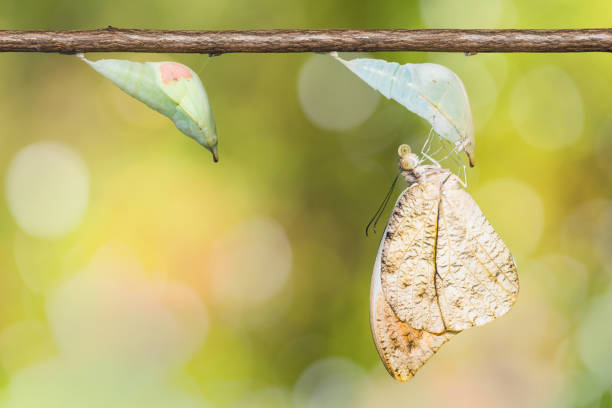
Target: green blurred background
point(135, 272)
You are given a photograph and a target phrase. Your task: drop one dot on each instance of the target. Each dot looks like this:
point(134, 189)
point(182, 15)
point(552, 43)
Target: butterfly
point(440, 269)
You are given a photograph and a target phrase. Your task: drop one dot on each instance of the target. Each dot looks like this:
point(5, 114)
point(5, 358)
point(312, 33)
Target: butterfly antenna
point(382, 206)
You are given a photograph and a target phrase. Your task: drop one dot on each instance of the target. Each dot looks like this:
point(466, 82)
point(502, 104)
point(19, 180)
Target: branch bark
point(284, 41)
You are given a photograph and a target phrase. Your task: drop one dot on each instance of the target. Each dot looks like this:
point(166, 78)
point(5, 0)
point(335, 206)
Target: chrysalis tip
point(471, 160)
point(215, 154)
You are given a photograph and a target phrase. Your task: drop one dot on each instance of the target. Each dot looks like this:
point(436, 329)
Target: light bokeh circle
point(546, 108)
point(332, 382)
point(586, 231)
point(515, 211)
point(123, 316)
point(594, 339)
point(561, 279)
point(65, 383)
point(251, 263)
point(332, 97)
point(47, 189)
point(266, 398)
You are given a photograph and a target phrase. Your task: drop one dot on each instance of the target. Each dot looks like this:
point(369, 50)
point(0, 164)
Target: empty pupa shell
point(170, 88)
point(432, 91)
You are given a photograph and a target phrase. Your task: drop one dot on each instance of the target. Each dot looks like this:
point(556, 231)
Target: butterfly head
point(408, 160)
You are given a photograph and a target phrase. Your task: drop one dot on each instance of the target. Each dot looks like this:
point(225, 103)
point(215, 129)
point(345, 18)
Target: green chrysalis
point(432, 91)
point(170, 88)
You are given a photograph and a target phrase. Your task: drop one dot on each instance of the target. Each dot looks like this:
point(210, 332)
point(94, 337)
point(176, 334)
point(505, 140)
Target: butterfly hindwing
point(477, 278)
point(402, 349)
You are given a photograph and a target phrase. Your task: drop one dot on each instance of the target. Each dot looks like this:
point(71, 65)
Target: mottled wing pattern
point(402, 349)
point(476, 275)
point(441, 268)
point(408, 258)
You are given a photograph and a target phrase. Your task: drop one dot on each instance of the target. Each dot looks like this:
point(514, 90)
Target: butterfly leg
point(427, 144)
point(431, 159)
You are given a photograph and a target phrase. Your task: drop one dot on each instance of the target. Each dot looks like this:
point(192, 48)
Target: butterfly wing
point(476, 274)
point(402, 349)
point(408, 270)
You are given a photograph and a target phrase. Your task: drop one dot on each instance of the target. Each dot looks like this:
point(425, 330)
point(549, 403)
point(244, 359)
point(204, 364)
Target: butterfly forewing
point(402, 348)
point(476, 274)
point(408, 258)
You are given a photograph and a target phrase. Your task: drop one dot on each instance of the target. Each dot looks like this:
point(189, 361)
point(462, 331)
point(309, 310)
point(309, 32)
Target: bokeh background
point(135, 272)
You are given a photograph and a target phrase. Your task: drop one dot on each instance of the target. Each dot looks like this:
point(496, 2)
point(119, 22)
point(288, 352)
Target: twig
point(278, 41)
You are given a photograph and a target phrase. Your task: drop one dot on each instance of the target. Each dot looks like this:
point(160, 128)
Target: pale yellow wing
point(408, 268)
point(402, 349)
point(476, 278)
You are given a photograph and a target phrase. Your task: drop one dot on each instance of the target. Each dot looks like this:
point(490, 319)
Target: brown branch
point(264, 41)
